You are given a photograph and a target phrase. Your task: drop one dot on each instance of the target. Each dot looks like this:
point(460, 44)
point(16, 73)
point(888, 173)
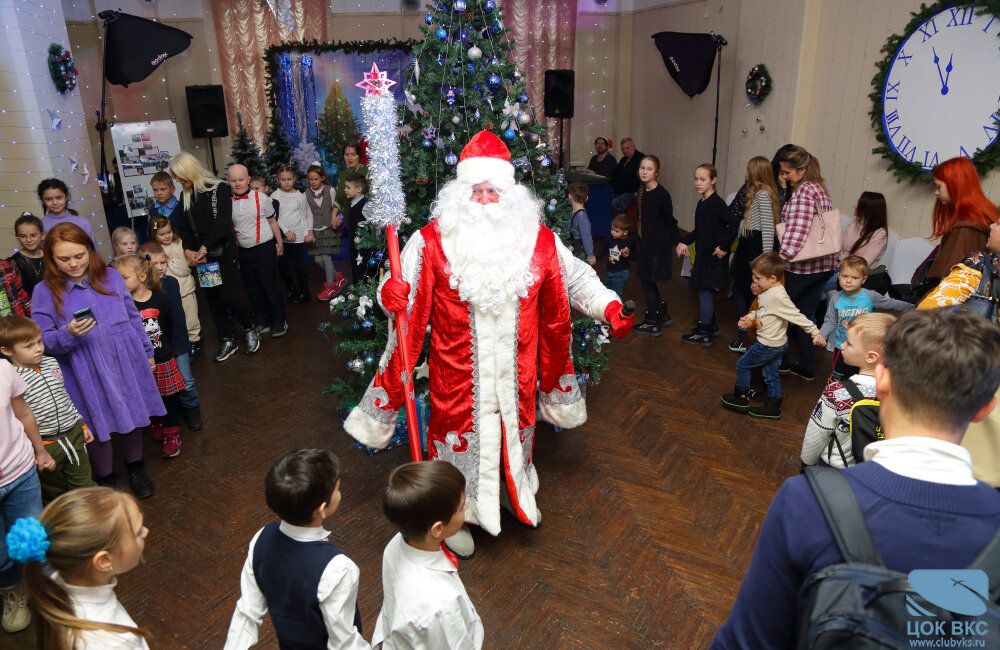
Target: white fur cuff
point(479, 170)
point(367, 430)
point(567, 416)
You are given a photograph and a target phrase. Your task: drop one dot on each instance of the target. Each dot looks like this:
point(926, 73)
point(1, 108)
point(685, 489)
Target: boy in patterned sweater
point(62, 429)
point(862, 348)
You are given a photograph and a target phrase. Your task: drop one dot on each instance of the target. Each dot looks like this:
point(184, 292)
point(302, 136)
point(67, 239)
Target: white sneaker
point(461, 543)
point(16, 615)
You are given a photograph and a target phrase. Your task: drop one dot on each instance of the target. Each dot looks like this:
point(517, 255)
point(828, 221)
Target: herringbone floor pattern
point(651, 510)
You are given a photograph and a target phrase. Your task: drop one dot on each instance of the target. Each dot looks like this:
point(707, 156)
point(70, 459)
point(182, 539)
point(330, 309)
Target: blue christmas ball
point(489, 6)
point(345, 314)
point(475, 86)
point(472, 68)
point(459, 5)
point(370, 360)
point(546, 161)
point(464, 35)
point(372, 263)
point(367, 324)
point(583, 345)
point(441, 33)
point(523, 98)
point(509, 134)
point(551, 209)
point(379, 255)
point(429, 19)
point(494, 61)
point(427, 144)
point(495, 27)
point(356, 327)
point(494, 82)
point(451, 159)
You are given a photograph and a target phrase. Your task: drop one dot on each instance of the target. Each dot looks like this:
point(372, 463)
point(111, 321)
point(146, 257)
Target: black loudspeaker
point(559, 93)
point(207, 111)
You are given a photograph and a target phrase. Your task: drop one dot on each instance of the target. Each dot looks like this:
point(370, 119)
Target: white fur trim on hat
point(481, 169)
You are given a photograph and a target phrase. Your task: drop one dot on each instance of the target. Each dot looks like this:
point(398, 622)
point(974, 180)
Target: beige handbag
point(824, 237)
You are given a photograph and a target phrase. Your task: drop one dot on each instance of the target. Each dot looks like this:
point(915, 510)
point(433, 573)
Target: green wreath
point(985, 160)
point(758, 84)
point(61, 69)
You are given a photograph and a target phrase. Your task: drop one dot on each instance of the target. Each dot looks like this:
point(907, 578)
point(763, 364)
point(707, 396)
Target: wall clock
point(937, 92)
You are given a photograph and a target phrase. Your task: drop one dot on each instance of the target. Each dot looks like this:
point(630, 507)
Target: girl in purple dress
point(54, 196)
point(91, 326)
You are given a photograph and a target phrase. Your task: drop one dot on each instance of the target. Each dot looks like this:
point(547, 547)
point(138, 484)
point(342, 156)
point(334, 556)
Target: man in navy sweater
point(924, 508)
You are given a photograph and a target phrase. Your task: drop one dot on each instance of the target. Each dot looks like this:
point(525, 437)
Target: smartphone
point(83, 314)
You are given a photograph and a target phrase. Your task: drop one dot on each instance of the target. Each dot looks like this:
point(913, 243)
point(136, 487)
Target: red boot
point(156, 427)
point(171, 441)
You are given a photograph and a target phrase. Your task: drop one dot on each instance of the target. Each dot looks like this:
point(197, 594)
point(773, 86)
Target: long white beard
point(489, 247)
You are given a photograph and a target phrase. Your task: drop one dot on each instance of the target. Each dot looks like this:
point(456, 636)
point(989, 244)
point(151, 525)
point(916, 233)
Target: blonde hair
point(139, 264)
point(187, 167)
point(80, 524)
point(642, 186)
point(871, 328)
point(760, 177)
point(119, 234)
point(855, 263)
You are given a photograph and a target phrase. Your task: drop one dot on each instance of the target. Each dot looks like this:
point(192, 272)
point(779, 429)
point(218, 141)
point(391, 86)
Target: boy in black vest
point(292, 569)
point(355, 186)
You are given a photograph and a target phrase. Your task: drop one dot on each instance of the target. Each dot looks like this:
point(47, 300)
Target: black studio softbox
point(688, 57)
point(135, 47)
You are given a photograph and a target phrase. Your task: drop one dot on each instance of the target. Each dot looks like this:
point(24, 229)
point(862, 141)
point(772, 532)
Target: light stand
point(720, 42)
point(102, 117)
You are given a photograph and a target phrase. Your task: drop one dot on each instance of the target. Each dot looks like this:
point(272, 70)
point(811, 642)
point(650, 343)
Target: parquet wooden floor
point(651, 510)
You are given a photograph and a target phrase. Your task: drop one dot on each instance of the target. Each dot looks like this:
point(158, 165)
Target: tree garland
point(61, 69)
point(759, 84)
point(985, 160)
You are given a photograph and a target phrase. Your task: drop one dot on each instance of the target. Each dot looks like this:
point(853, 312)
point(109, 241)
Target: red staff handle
point(403, 337)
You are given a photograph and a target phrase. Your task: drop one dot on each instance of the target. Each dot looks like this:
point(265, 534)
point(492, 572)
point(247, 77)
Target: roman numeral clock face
point(943, 88)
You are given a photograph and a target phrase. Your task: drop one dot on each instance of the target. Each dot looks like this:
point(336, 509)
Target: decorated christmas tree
point(278, 150)
point(245, 151)
point(337, 126)
point(463, 80)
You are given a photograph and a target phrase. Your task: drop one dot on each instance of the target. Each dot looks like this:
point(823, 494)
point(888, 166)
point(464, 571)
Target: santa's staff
point(378, 108)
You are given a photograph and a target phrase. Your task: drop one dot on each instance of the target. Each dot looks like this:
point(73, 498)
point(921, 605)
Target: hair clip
point(27, 540)
point(148, 258)
point(27, 213)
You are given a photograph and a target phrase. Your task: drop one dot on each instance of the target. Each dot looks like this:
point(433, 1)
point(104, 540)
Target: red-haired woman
point(91, 326)
point(962, 215)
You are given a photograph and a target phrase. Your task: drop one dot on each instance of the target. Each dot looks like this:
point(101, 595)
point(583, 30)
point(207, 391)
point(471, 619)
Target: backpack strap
point(843, 515)
point(852, 389)
point(989, 561)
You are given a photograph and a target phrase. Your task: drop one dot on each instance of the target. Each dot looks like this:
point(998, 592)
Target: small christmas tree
point(337, 126)
point(463, 81)
point(245, 151)
point(278, 150)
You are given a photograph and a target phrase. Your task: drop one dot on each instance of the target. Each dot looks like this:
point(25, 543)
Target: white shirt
point(425, 605)
point(924, 459)
point(294, 215)
point(250, 217)
point(101, 605)
point(337, 594)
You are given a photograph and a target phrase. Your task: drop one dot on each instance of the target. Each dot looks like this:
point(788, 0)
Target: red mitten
point(620, 324)
point(395, 295)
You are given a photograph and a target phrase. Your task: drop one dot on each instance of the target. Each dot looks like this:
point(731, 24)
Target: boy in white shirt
point(425, 604)
point(293, 570)
point(828, 435)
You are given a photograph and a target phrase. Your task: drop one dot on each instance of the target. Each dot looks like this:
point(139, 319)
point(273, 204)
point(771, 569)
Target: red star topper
point(376, 82)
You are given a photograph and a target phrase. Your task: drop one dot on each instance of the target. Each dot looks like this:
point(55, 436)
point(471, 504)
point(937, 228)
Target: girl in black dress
point(659, 232)
point(712, 236)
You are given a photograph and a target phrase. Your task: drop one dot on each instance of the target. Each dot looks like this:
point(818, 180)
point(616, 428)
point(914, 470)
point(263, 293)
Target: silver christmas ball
point(553, 202)
point(533, 138)
point(356, 365)
point(523, 119)
point(456, 119)
point(744, 131)
point(474, 53)
point(758, 118)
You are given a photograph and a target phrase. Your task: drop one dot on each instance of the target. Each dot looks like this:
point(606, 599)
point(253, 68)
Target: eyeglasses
point(29, 237)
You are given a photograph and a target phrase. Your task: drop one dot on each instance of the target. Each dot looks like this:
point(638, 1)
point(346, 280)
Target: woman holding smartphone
point(90, 324)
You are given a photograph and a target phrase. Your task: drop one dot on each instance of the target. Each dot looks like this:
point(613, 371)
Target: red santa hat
point(607, 141)
point(485, 158)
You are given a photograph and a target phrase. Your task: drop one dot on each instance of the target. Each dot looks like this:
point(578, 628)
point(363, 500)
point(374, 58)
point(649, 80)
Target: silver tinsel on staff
point(381, 126)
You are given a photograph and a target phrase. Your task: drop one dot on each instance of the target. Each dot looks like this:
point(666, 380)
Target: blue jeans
point(188, 396)
point(706, 306)
point(621, 202)
point(616, 281)
point(20, 498)
point(766, 358)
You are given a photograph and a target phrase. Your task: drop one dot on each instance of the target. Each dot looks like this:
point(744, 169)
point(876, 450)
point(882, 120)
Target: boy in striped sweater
point(63, 432)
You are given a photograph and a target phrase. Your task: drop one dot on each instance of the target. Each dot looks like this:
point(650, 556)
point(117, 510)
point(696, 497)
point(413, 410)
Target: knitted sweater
point(915, 524)
point(833, 413)
point(775, 313)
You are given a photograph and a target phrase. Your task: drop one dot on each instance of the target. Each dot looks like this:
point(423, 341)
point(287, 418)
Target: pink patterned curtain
point(544, 34)
point(244, 29)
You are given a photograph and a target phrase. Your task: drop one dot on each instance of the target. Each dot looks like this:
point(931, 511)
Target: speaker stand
point(562, 144)
point(211, 155)
point(719, 43)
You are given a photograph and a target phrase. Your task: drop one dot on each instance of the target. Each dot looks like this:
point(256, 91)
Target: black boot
point(700, 335)
point(138, 480)
point(194, 418)
point(195, 353)
point(650, 326)
point(714, 329)
point(771, 409)
point(737, 400)
point(662, 315)
point(110, 480)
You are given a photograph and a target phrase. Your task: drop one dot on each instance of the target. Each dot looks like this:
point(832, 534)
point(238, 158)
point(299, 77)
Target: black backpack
point(862, 605)
point(865, 426)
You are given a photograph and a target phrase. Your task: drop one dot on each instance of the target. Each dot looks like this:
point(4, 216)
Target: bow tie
point(237, 198)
